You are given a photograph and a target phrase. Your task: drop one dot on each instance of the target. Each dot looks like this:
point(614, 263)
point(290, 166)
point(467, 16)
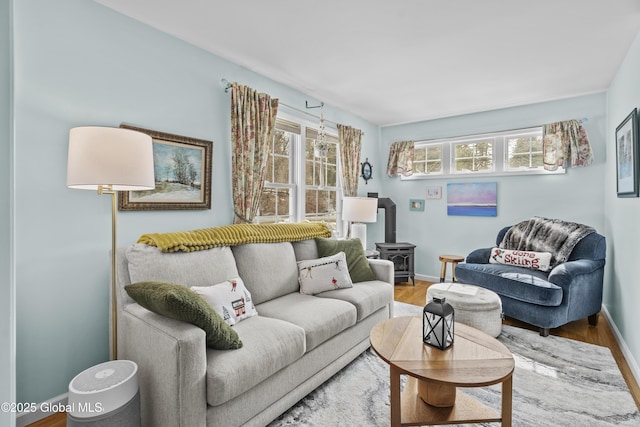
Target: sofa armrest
point(565, 274)
point(172, 365)
point(383, 269)
point(479, 256)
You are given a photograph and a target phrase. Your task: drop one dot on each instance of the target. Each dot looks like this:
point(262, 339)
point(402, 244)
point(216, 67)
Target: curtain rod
point(227, 85)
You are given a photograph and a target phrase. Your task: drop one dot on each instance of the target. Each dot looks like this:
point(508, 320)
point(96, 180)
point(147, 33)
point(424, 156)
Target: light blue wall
point(575, 196)
point(7, 324)
point(78, 63)
point(622, 295)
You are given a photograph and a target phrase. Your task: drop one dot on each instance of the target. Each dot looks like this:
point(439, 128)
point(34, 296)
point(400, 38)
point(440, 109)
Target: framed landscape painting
point(627, 156)
point(182, 169)
point(472, 199)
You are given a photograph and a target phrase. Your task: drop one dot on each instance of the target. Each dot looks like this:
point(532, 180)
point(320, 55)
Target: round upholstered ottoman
point(473, 306)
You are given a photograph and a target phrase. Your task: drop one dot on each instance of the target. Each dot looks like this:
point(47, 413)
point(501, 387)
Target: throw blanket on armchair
point(546, 235)
point(236, 234)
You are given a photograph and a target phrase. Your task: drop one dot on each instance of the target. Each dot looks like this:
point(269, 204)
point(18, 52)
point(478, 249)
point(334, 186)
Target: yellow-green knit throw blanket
point(231, 235)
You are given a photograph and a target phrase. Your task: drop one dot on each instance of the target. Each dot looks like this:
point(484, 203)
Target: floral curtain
point(350, 147)
point(565, 144)
point(400, 159)
point(253, 117)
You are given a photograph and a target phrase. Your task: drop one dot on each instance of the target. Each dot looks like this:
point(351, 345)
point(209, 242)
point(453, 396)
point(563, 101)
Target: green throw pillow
point(181, 303)
point(357, 262)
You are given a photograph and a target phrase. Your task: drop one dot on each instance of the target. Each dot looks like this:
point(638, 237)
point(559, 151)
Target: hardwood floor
point(56, 420)
point(578, 330)
point(416, 295)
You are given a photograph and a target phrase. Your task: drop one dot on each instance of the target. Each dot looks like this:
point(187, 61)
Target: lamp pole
point(107, 189)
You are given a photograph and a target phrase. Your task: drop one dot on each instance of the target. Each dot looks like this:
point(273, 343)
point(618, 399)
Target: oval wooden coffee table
point(474, 360)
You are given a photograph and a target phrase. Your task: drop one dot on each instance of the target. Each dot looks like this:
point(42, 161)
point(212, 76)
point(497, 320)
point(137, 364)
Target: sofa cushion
point(305, 249)
point(269, 270)
point(199, 268)
point(519, 283)
point(368, 297)
point(181, 303)
point(359, 268)
point(323, 274)
point(230, 299)
point(269, 345)
point(321, 318)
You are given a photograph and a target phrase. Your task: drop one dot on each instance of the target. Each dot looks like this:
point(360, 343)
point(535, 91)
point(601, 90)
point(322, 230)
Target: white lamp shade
point(121, 158)
point(360, 209)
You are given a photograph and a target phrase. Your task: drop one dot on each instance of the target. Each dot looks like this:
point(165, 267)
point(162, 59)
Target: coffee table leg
point(507, 390)
point(396, 411)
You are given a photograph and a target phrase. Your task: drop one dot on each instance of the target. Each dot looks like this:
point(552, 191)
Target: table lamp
point(110, 160)
point(358, 210)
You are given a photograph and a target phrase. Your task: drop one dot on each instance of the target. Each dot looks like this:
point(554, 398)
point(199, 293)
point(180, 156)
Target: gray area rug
point(557, 382)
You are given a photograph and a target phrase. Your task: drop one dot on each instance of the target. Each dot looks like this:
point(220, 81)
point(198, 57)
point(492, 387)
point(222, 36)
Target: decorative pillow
point(230, 299)
point(181, 303)
point(536, 260)
point(324, 274)
point(357, 262)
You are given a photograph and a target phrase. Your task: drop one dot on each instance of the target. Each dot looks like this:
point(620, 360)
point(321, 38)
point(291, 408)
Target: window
point(475, 156)
point(276, 202)
point(428, 159)
point(516, 152)
point(524, 152)
point(299, 186)
point(321, 181)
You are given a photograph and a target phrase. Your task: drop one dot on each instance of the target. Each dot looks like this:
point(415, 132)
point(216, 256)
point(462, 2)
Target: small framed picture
point(434, 192)
point(416, 205)
point(627, 156)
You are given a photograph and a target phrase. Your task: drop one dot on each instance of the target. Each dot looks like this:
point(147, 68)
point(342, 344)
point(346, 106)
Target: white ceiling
point(401, 61)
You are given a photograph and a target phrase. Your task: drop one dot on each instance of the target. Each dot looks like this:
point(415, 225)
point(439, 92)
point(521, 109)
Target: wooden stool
point(454, 260)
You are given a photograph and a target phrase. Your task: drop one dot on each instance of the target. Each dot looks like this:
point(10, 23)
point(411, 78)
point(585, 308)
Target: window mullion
point(499, 153)
point(299, 175)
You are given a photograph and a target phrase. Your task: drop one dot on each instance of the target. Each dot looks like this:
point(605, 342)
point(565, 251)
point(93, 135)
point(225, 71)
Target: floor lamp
point(359, 210)
point(110, 160)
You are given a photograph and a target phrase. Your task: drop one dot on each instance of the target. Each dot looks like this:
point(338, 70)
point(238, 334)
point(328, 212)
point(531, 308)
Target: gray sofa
point(570, 291)
point(295, 343)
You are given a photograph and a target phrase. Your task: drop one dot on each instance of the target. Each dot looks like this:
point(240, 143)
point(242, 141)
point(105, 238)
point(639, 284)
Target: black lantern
point(437, 323)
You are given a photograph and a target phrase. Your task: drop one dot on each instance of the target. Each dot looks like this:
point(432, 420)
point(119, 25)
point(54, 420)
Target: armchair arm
point(582, 286)
point(172, 365)
point(479, 256)
point(565, 274)
point(383, 269)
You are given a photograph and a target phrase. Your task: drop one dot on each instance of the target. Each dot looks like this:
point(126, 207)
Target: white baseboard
point(427, 278)
point(631, 361)
point(43, 410)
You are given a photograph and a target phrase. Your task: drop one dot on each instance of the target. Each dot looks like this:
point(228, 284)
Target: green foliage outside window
point(320, 181)
point(474, 156)
point(525, 152)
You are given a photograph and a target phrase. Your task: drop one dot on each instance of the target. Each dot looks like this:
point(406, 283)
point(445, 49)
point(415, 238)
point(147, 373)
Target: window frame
point(466, 141)
point(280, 185)
point(333, 139)
point(524, 133)
point(297, 169)
point(500, 155)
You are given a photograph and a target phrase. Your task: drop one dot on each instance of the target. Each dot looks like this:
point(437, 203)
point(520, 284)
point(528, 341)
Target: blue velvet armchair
point(570, 291)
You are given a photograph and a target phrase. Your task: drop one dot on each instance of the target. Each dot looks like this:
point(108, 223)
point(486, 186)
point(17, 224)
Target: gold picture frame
point(182, 167)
